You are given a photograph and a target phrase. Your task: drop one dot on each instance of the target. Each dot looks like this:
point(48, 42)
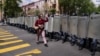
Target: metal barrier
point(50, 24)
point(82, 26)
point(34, 20)
point(30, 21)
point(54, 27)
point(64, 23)
point(94, 27)
point(73, 25)
point(64, 28)
point(8, 21)
point(56, 24)
point(46, 25)
point(12, 21)
point(15, 21)
point(21, 20)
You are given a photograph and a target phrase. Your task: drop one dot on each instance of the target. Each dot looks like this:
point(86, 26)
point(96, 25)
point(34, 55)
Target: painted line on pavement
point(14, 48)
point(10, 42)
point(8, 38)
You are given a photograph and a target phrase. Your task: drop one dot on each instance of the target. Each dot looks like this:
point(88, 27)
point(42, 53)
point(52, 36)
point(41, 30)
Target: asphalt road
point(55, 48)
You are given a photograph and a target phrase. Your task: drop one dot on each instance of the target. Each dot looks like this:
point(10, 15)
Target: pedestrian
point(39, 26)
point(2, 21)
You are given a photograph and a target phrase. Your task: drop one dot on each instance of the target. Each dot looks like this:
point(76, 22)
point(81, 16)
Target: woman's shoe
point(46, 45)
point(37, 42)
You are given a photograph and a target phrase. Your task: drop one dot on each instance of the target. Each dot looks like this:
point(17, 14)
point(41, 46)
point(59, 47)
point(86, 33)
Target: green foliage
point(0, 5)
point(98, 9)
point(52, 11)
point(11, 8)
point(72, 6)
point(37, 12)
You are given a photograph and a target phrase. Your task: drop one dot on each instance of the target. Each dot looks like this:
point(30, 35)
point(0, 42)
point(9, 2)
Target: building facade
point(42, 5)
point(30, 8)
point(1, 9)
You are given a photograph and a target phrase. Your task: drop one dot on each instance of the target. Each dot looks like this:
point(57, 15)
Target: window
point(29, 9)
point(54, 1)
point(37, 7)
point(54, 5)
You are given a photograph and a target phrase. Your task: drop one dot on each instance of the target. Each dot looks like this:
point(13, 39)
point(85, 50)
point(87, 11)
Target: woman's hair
point(39, 16)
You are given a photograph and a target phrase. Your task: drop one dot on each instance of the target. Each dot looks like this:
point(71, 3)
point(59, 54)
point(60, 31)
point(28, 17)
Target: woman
point(39, 26)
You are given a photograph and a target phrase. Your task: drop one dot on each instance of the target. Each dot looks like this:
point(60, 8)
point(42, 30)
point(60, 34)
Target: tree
point(11, 8)
point(64, 5)
point(98, 8)
point(52, 11)
point(97, 11)
point(31, 12)
point(76, 6)
point(37, 12)
point(87, 7)
point(0, 5)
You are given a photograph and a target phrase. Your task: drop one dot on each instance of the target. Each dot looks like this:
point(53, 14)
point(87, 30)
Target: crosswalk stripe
point(10, 42)
point(24, 53)
point(6, 35)
point(35, 51)
point(4, 32)
point(1, 31)
point(14, 48)
point(9, 38)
